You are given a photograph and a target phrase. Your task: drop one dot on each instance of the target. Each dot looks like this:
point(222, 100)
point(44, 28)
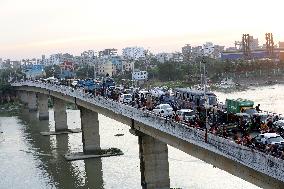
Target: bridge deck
point(249, 164)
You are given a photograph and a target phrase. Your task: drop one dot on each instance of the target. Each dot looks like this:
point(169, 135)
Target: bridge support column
point(60, 115)
point(90, 131)
point(32, 101)
point(23, 97)
point(154, 165)
point(43, 107)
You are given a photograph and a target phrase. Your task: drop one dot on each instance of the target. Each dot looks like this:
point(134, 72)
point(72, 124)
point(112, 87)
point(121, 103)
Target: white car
point(125, 98)
point(269, 138)
point(143, 93)
point(74, 83)
point(279, 124)
point(186, 114)
point(163, 109)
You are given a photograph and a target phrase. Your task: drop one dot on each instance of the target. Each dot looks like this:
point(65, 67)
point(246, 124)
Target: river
point(29, 160)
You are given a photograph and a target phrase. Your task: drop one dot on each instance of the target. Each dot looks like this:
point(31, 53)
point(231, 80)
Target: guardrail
point(254, 159)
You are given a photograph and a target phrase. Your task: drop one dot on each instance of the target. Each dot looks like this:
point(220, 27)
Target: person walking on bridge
point(257, 108)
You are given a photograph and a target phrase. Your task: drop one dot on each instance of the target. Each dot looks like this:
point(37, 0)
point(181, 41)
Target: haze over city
point(34, 27)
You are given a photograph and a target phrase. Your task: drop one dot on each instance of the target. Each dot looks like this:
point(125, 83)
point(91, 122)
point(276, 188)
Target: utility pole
point(95, 76)
point(132, 79)
point(95, 70)
point(205, 102)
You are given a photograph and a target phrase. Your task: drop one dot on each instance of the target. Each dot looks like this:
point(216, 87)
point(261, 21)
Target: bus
point(193, 98)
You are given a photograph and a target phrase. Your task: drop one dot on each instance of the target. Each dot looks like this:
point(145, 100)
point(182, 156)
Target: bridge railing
point(254, 159)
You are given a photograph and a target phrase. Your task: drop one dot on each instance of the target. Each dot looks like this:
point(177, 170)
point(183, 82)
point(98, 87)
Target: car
point(74, 83)
point(186, 114)
point(279, 124)
point(243, 116)
point(250, 111)
point(125, 98)
point(163, 109)
point(268, 138)
point(143, 93)
point(263, 116)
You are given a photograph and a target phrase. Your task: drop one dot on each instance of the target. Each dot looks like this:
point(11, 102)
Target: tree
point(170, 71)
point(85, 71)
point(53, 70)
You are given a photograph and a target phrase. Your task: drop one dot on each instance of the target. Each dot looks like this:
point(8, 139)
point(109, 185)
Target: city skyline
point(32, 28)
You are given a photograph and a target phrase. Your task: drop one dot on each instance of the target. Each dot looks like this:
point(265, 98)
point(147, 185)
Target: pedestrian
point(257, 108)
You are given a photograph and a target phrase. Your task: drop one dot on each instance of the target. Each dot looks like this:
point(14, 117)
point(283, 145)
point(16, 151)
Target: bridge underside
point(228, 165)
point(222, 162)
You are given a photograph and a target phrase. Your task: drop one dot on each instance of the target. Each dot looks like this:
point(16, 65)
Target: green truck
point(238, 105)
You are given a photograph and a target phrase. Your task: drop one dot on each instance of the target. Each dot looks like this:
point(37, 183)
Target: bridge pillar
point(60, 115)
point(43, 107)
point(32, 101)
point(154, 165)
point(90, 131)
point(23, 97)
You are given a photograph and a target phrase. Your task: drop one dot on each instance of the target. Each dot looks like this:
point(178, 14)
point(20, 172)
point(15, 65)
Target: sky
point(30, 28)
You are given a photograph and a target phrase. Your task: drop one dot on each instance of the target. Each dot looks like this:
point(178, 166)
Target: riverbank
point(245, 83)
point(10, 108)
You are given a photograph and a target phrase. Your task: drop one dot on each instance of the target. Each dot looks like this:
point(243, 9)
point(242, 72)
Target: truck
point(238, 105)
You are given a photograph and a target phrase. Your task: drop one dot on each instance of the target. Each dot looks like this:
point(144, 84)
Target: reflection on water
point(29, 160)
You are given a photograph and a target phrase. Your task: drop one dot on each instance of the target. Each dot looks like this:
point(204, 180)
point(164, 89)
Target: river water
point(29, 160)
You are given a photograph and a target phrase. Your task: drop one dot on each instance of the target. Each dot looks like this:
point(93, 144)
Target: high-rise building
point(106, 67)
point(196, 51)
point(208, 49)
point(253, 43)
point(55, 59)
point(186, 52)
point(164, 57)
point(89, 53)
point(177, 57)
point(108, 53)
point(133, 53)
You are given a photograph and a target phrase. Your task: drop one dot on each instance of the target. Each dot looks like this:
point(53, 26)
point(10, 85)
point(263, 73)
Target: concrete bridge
point(154, 133)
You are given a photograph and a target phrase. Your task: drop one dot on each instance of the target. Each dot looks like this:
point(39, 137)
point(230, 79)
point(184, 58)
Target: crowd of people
point(241, 131)
point(217, 119)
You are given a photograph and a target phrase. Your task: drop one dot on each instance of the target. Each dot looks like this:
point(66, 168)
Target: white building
point(196, 51)
point(253, 43)
point(208, 49)
point(106, 67)
point(140, 75)
point(106, 53)
point(55, 59)
point(164, 57)
point(127, 66)
point(177, 57)
point(134, 53)
point(89, 54)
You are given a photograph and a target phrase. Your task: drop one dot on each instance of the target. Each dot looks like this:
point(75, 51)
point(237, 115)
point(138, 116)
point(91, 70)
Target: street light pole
point(95, 76)
point(205, 104)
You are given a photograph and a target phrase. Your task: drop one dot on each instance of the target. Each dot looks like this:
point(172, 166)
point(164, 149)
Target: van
point(125, 98)
point(186, 114)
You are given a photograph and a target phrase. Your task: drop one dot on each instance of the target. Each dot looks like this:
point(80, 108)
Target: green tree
point(85, 71)
point(53, 70)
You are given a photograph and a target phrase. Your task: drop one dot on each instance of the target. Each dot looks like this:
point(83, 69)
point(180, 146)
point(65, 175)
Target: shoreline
point(246, 83)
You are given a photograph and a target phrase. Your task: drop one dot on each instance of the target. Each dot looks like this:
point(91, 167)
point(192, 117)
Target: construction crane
point(269, 45)
point(246, 46)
